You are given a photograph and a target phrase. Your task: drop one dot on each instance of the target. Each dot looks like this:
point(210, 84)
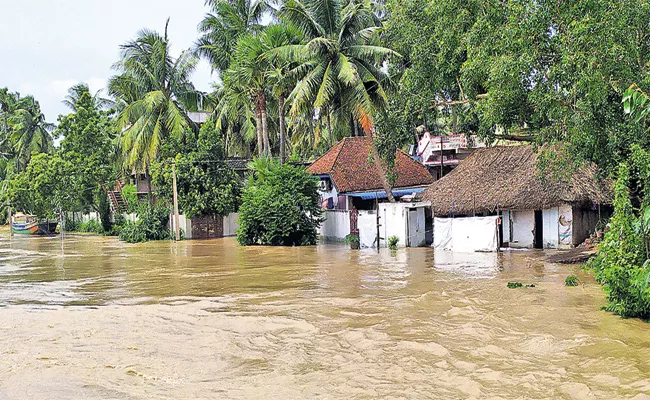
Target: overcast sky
point(46, 46)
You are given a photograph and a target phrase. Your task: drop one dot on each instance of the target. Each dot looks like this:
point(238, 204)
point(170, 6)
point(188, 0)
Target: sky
point(46, 46)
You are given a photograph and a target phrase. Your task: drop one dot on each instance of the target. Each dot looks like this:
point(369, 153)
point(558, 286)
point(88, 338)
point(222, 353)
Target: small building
point(441, 154)
point(535, 211)
point(349, 178)
point(354, 198)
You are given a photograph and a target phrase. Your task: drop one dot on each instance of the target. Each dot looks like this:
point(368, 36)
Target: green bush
point(118, 224)
point(620, 264)
point(571, 280)
point(352, 239)
point(150, 225)
point(130, 196)
point(392, 242)
point(91, 226)
point(280, 206)
point(72, 225)
point(515, 285)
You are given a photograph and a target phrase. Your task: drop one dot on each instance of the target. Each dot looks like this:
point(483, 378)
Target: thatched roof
point(507, 178)
point(347, 163)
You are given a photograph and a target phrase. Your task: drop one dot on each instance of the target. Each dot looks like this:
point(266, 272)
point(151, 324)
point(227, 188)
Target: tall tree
point(87, 137)
point(30, 132)
point(75, 92)
point(555, 70)
point(156, 94)
point(227, 21)
point(345, 77)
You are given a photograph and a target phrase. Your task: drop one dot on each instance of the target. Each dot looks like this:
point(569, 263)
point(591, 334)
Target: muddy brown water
point(91, 317)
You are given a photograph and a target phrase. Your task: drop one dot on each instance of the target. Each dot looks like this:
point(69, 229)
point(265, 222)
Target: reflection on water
point(91, 317)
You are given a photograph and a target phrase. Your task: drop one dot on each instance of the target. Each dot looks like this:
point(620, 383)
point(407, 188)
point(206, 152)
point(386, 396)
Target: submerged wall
point(523, 226)
point(336, 225)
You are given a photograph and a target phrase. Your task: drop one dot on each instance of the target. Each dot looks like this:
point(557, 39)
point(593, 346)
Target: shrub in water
point(280, 206)
point(91, 226)
point(151, 225)
point(571, 280)
point(620, 264)
point(392, 242)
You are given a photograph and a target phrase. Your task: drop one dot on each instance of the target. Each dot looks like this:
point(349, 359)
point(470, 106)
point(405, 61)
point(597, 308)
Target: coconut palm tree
point(154, 94)
point(227, 21)
point(75, 92)
point(30, 133)
point(247, 74)
point(282, 74)
point(345, 78)
point(252, 72)
point(235, 119)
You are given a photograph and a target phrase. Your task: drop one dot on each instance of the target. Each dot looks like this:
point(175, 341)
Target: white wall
point(523, 225)
point(565, 226)
point(336, 225)
point(230, 224)
point(367, 225)
point(550, 232)
point(393, 222)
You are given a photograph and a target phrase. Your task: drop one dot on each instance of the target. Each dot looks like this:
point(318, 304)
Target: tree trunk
point(265, 127)
point(356, 126)
point(380, 168)
point(258, 128)
point(283, 139)
point(330, 134)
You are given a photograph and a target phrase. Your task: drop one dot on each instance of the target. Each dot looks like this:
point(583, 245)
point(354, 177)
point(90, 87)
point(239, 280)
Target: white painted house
point(534, 210)
point(351, 192)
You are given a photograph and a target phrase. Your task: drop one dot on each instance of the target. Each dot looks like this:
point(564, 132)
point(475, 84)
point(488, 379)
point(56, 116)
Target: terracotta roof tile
point(350, 166)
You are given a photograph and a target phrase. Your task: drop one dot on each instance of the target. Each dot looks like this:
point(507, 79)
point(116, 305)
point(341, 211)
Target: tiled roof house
point(347, 170)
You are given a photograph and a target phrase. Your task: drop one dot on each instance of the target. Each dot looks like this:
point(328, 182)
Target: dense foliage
point(280, 206)
point(554, 71)
point(73, 176)
point(622, 260)
point(43, 189)
point(206, 183)
point(151, 224)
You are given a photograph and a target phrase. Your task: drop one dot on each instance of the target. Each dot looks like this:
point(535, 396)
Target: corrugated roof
point(506, 177)
point(349, 164)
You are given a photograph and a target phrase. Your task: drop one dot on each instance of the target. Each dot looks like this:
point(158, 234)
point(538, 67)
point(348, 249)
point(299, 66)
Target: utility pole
point(176, 218)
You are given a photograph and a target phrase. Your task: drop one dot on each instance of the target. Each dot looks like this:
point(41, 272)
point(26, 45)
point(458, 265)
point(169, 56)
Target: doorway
point(538, 235)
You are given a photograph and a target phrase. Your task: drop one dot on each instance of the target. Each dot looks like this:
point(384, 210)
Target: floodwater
point(92, 317)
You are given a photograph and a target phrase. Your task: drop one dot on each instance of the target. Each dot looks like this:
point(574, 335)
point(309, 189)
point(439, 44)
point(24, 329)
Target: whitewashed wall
point(367, 225)
point(523, 225)
point(230, 224)
point(336, 225)
point(565, 226)
point(393, 222)
point(550, 231)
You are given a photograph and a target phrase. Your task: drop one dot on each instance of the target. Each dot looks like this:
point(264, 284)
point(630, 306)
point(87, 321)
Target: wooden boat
point(23, 224)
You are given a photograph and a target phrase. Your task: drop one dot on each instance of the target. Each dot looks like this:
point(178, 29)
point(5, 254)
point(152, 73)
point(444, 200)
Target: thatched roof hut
point(507, 177)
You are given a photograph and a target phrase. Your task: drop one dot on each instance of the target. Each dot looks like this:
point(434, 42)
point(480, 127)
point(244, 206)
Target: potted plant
point(353, 241)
